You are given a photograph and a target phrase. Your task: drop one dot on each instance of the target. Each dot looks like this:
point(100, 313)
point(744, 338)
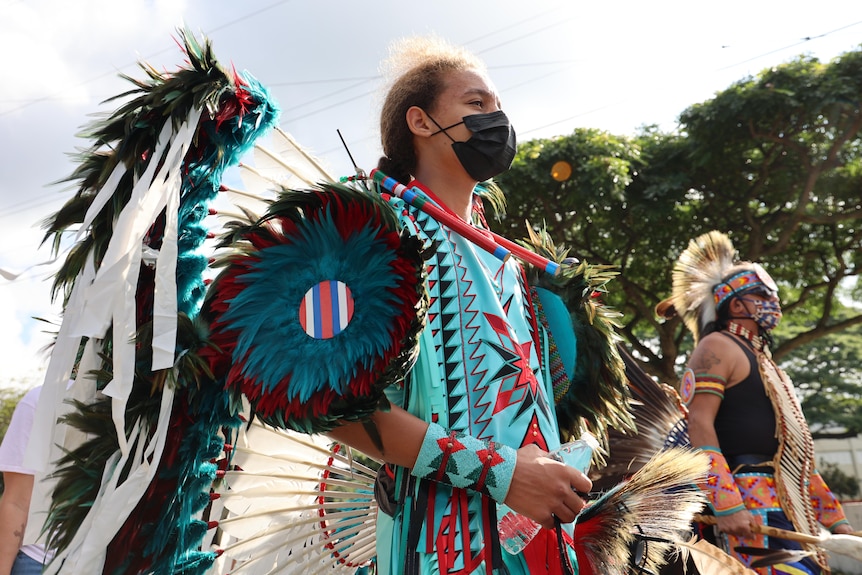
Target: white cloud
point(558, 64)
point(23, 339)
point(53, 53)
point(51, 47)
point(42, 71)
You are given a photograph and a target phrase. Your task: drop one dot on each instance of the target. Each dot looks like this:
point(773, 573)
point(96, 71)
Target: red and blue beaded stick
point(493, 243)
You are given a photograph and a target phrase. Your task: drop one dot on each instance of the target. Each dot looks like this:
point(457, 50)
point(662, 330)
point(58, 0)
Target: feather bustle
point(124, 148)
point(596, 398)
point(299, 503)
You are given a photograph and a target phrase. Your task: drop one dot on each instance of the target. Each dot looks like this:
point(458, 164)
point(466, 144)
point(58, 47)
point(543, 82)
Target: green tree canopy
point(827, 375)
point(844, 486)
point(774, 161)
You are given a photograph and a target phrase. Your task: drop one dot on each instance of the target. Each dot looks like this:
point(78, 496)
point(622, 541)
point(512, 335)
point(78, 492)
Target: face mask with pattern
point(767, 314)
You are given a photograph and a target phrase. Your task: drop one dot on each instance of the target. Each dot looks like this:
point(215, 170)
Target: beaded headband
point(705, 276)
point(746, 281)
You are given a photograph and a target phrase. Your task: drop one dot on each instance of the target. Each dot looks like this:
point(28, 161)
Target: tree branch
point(818, 332)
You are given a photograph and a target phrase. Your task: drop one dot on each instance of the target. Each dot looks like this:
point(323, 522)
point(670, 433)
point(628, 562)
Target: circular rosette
point(319, 308)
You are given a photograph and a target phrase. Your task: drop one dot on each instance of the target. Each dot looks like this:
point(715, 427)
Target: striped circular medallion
point(686, 386)
point(326, 309)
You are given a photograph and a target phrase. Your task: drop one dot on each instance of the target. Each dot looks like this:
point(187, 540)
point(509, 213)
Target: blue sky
point(558, 65)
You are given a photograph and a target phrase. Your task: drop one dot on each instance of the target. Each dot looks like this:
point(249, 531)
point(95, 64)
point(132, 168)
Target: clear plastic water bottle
point(516, 531)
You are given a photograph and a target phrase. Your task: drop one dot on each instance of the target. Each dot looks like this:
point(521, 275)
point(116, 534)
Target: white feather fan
point(296, 504)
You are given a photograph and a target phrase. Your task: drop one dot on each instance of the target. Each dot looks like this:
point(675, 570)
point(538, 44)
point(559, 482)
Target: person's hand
point(543, 488)
point(740, 523)
point(843, 529)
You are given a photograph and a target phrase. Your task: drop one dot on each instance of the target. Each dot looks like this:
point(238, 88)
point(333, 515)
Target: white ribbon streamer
point(103, 299)
point(111, 297)
point(46, 435)
point(10, 275)
point(102, 198)
point(114, 503)
point(165, 298)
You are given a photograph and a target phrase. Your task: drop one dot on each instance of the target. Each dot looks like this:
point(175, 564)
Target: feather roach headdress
point(706, 275)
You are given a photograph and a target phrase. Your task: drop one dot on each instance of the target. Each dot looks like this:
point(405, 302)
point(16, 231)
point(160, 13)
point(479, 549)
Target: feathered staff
point(133, 285)
point(843, 544)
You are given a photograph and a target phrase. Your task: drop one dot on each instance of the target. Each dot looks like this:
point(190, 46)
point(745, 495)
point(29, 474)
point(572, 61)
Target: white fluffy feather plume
point(707, 260)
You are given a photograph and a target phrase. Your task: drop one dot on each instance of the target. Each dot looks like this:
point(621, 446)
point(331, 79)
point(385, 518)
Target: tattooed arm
point(14, 506)
point(718, 361)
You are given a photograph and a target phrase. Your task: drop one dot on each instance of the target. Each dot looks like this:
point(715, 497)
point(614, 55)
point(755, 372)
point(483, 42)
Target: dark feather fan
point(654, 508)
point(660, 421)
point(590, 392)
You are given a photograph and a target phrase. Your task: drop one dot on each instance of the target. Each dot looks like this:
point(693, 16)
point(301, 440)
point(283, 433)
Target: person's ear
point(419, 123)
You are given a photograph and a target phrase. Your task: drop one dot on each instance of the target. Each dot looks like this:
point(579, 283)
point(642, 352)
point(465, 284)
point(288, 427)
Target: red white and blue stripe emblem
point(326, 309)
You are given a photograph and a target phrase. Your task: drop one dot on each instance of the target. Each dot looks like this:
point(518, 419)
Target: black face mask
point(491, 147)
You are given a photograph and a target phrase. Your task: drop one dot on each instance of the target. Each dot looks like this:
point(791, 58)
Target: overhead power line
point(358, 81)
point(799, 43)
point(92, 79)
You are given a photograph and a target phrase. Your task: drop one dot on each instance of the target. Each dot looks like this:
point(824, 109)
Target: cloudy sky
point(558, 64)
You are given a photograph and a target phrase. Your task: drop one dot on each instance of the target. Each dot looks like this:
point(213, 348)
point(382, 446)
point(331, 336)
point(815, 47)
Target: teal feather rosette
point(318, 308)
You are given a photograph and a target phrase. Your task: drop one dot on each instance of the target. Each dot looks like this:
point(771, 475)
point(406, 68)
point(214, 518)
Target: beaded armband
point(720, 487)
point(693, 383)
point(463, 461)
point(826, 506)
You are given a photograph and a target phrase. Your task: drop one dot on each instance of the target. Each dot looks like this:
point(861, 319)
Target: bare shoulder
point(714, 354)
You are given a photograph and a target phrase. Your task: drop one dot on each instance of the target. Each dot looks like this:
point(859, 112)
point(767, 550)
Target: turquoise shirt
point(478, 372)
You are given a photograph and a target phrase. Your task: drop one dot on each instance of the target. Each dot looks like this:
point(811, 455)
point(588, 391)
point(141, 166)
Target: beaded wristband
point(720, 487)
point(466, 462)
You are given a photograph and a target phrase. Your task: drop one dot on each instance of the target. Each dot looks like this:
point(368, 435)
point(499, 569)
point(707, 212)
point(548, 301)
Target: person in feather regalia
point(460, 369)
point(742, 408)
point(200, 435)
point(473, 422)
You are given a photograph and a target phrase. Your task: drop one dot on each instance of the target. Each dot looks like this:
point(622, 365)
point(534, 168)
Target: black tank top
point(745, 422)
